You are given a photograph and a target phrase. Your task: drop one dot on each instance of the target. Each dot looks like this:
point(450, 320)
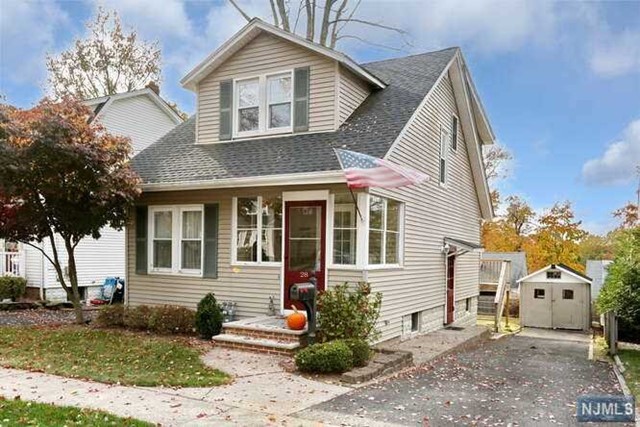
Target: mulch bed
point(42, 317)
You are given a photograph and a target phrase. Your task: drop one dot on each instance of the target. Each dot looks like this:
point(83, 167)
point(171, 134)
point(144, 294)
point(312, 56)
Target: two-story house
point(247, 196)
point(143, 116)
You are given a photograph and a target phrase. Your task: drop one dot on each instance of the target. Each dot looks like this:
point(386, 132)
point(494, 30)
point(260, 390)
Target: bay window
point(384, 231)
point(176, 239)
point(263, 104)
point(345, 229)
point(257, 223)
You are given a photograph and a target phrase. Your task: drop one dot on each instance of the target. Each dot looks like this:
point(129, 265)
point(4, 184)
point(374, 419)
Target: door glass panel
point(304, 238)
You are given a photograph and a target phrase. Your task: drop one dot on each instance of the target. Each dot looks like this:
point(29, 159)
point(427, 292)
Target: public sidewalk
point(261, 394)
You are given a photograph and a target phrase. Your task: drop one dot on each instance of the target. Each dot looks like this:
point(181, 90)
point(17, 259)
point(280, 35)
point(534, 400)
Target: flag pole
point(355, 202)
point(353, 196)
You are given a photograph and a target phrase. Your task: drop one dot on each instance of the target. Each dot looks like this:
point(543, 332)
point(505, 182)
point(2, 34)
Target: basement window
point(415, 322)
point(538, 293)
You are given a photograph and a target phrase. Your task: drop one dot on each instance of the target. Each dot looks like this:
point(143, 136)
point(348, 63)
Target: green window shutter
point(210, 267)
point(226, 109)
point(301, 99)
point(141, 239)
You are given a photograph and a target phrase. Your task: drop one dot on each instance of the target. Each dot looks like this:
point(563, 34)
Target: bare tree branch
point(284, 15)
point(276, 20)
point(334, 28)
point(310, 6)
point(373, 24)
point(239, 9)
point(326, 21)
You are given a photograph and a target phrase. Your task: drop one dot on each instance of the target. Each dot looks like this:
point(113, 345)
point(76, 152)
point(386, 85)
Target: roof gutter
point(312, 178)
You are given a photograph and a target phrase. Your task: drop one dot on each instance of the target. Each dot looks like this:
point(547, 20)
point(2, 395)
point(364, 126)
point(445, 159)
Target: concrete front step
point(256, 344)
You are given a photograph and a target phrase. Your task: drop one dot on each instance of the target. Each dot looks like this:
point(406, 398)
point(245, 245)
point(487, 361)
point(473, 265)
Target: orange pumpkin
point(296, 320)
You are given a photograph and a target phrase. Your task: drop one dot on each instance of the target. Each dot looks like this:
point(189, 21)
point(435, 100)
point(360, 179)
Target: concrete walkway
point(262, 394)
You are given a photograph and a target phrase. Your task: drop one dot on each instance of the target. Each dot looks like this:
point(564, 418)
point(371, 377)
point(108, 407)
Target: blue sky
point(560, 80)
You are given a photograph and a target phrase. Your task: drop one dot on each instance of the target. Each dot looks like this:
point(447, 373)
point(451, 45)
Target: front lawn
point(107, 356)
point(631, 361)
point(21, 413)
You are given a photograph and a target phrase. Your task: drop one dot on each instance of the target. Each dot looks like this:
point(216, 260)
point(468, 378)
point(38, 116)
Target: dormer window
point(264, 104)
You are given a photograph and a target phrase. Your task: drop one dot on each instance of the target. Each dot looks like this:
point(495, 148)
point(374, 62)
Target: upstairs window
point(263, 104)
point(444, 154)
point(454, 133)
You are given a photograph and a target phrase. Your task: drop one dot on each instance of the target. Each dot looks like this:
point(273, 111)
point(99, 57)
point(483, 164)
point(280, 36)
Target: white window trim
point(263, 106)
point(444, 148)
point(176, 239)
point(234, 235)
point(361, 231)
point(383, 266)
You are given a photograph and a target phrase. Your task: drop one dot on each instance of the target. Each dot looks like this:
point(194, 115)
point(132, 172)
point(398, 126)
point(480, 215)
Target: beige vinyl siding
point(352, 92)
point(269, 54)
point(432, 212)
point(34, 264)
point(139, 118)
point(249, 286)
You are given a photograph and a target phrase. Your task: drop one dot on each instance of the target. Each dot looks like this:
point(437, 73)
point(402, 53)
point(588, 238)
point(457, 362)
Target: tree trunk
point(73, 293)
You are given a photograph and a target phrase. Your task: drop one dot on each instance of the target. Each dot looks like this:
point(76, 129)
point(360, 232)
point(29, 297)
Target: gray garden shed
point(557, 297)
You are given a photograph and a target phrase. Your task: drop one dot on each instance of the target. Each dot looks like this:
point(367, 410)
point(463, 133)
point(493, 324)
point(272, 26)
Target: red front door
point(451, 269)
point(304, 245)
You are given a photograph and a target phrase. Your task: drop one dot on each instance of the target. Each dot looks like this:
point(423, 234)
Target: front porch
point(267, 334)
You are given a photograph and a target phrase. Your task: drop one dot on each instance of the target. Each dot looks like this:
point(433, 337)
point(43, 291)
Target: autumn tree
point(110, 60)
point(556, 239)
point(63, 178)
point(509, 232)
point(495, 157)
point(621, 290)
point(593, 246)
point(627, 215)
point(323, 22)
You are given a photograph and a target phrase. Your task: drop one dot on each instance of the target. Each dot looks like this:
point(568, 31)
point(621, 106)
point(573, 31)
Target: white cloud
point(617, 54)
point(617, 166)
point(152, 18)
point(27, 32)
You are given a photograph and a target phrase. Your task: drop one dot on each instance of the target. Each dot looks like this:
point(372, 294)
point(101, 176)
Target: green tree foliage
point(621, 291)
point(62, 178)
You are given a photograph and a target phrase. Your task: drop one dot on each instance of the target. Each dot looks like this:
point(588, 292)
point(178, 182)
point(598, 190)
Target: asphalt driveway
point(531, 380)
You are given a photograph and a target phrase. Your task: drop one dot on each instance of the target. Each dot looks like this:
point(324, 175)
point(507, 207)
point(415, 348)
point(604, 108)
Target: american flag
point(362, 170)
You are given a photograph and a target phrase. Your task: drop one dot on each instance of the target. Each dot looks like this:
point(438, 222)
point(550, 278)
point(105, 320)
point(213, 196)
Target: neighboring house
point(557, 297)
point(143, 116)
point(597, 270)
point(247, 197)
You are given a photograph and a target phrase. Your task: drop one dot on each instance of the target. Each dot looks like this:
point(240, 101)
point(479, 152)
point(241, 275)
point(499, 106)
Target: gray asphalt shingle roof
point(371, 129)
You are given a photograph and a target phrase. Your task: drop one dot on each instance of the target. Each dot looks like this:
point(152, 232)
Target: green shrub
point(361, 351)
point(208, 317)
point(169, 319)
point(334, 357)
point(346, 313)
point(12, 287)
point(138, 317)
point(111, 316)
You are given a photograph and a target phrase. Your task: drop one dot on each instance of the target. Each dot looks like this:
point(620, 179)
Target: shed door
point(536, 300)
point(569, 305)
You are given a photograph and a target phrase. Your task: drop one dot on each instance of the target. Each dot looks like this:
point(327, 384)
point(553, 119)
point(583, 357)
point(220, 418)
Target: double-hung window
point(444, 154)
point(384, 231)
point(345, 228)
point(258, 229)
point(264, 104)
point(177, 235)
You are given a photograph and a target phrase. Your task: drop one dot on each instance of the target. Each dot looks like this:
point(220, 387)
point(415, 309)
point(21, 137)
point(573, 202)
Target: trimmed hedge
point(361, 352)
point(166, 319)
point(12, 287)
point(333, 357)
point(209, 317)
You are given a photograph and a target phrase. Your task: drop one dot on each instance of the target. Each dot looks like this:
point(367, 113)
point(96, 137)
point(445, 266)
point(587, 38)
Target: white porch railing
point(12, 263)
